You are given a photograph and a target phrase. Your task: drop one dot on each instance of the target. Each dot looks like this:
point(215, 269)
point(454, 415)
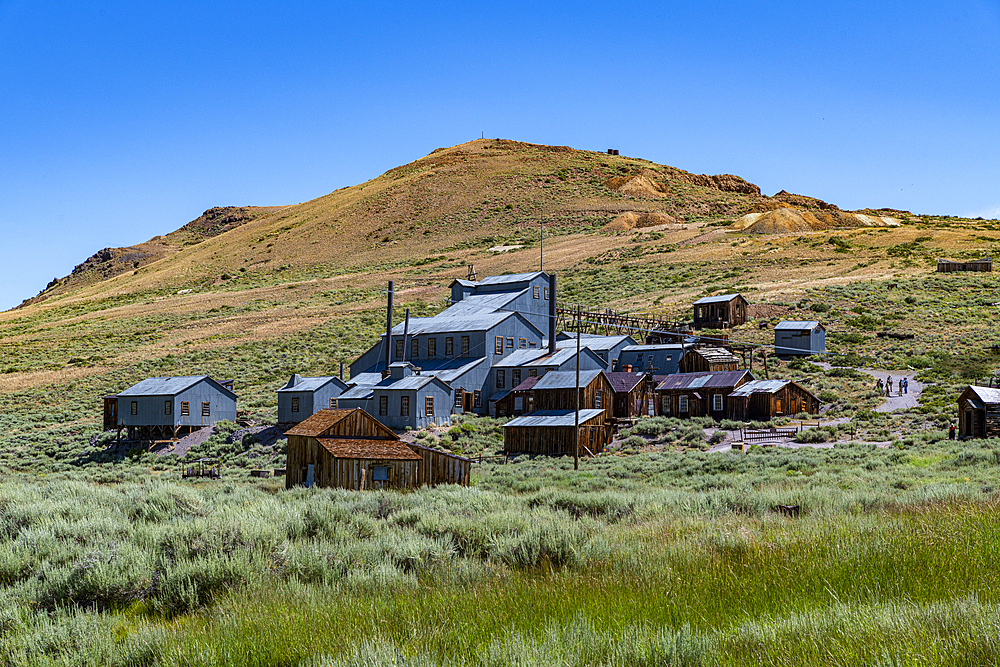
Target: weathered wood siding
point(977, 422)
point(565, 399)
point(948, 266)
point(789, 400)
point(556, 440)
point(721, 315)
point(692, 362)
point(329, 471)
point(440, 467)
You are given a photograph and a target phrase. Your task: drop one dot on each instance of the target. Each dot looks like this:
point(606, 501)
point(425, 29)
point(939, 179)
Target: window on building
point(477, 399)
point(414, 348)
point(399, 349)
point(532, 372)
point(295, 405)
point(498, 346)
point(449, 346)
point(428, 406)
point(135, 407)
point(168, 407)
point(717, 402)
point(206, 409)
point(665, 404)
point(598, 399)
point(524, 343)
point(465, 346)
point(380, 473)
point(383, 405)
point(638, 358)
point(532, 344)
point(546, 292)
point(334, 403)
point(515, 377)
point(459, 399)
point(682, 404)
point(501, 378)
point(404, 406)
point(185, 409)
point(510, 343)
point(649, 360)
point(534, 291)
point(432, 347)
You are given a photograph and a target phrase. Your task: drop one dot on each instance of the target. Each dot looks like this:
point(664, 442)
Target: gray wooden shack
point(799, 337)
point(167, 406)
point(407, 398)
point(659, 359)
point(979, 412)
point(302, 397)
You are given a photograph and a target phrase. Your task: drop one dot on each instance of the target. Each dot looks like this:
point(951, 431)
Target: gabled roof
point(410, 383)
point(528, 383)
point(652, 348)
point(511, 278)
point(541, 357)
point(475, 321)
point(622, 381)
point(449, 369)
point(595, 342)
point(797, 325)
point(565, 379)
point(766, 387)
point(318, 423)
point(553, 418)
point(986, 394)
point(369, 378)
point(719, 379)
point(352, 448)
point(721, 298)
point(312, 384)
point(716, 354)
point(481, 303)
point(463, 283)
point(170, 386)
point(359, 392)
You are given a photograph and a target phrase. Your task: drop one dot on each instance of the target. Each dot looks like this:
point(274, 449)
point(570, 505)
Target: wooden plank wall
point(440, 467)
point(947, 266)
point(359, 424)
point(565, 399)
point(556, 440)
point(329, 471)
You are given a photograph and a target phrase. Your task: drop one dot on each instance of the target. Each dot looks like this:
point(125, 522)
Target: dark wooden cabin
point(979, 412)
point(518, 400)
point(350, 449)
point(633, 392)
point(766, 399)
point(709, 360)
point(948, 266)
point(687, 395)
point(111, 412)
point(552, 432)
point(720, 312)
point(556, 390)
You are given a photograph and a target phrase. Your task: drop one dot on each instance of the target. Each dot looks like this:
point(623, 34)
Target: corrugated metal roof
point(796, 325)
point(760, 387)
point(554, 418)
point(537, 357)
point(362, 391)
point(349, 448)
point(481, 303)
point(565, 379)
point(319, 422)
point(622, 381)
point(717, 354)
point(434, 325)
point(409, 383)
point(464, 283)
point(310, 384)
point(595, 342)
point(370, 378)
point(702, 379)
point(166, 386)
point(510, 278)
point(986, 394)
point(716, 299)
point(528, 383)
point(415, 323)
point(652, 348)
point(449, 369)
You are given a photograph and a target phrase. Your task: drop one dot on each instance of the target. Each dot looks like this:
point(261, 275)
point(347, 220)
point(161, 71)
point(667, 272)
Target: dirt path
point(181, 447)
point(895, 400)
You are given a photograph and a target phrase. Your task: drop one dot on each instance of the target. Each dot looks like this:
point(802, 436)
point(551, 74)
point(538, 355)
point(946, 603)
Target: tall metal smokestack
point(388, 331)
point(406, 335)
point(552, 314)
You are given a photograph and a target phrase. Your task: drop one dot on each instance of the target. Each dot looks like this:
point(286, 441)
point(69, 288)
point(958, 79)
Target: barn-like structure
point(552, 432)
point(720, 312)
point(765, 399)
point(709, 360)
point(979, 412)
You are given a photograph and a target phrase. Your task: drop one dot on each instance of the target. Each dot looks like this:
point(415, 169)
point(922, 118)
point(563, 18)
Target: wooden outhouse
point(979, 412)
point(709, 360)
point(799, 338)
point(699, 394)
point(552, 432)
point(720, 312)
point(765, 399)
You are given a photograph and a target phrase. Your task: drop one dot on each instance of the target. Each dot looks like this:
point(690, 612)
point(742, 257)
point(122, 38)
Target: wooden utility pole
point(541, 244)
point(576, 428)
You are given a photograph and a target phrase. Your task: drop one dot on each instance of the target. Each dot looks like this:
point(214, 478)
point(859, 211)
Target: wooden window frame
point(334, 403)
point(523, 343)
point(428, 406)
point(404, 406)
point(135, 407)
point(501, 378)
point(295, 404)
point(665, 403)
point(383, 405)
point(598, 399)
point(546, 293)
point(534, 291)
point(206, 408)
point(532, 372)
point(510, 343)
point(414, 348)
point(515, 377)
point(432, 347)
point(718, 402)
point(465, 346)
point(477, 398)
point(449, 346)
point(683, 405)
point(498, 345)
point(399, 349)
point(168, 407)
point(185, 409)
point(460, 399)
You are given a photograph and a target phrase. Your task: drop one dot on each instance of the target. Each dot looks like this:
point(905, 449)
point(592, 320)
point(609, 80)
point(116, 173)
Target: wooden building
point(350, 449)
point(708, 360)
point(799, 338)
point(552, 432)
point(166, 407)
point(556, 390)
point(662, 358)
point(632, 392)
point(687, 395)
point(765, 399)
point(519, 400)
point(979, 412)
point(948, 266)
point(720, 312)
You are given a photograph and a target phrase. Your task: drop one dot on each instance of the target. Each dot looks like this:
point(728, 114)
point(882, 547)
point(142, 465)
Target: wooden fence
point(768, 434)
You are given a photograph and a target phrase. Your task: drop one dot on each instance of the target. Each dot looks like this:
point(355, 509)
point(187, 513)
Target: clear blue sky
point(119, 122)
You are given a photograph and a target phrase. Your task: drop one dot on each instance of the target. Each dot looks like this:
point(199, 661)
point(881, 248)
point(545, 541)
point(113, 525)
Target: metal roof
point(481, 303)
point(415, 323)
point(716, 299)
point(464, 283)
point(409, 383)
point(986, 394)
point(651, 348)
point(510, 278)
point(760, 387)
point(595, 342)
point(624, 381)
point(553, 418)
point(796, 325)
point(528, 383)
point(170, 386)
point(541, 357)
point(364, 391)
point(703, 380)
point(565, 379)
point(311, 384)
point(368, 378)
point(449, 369)
point(716, 354)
